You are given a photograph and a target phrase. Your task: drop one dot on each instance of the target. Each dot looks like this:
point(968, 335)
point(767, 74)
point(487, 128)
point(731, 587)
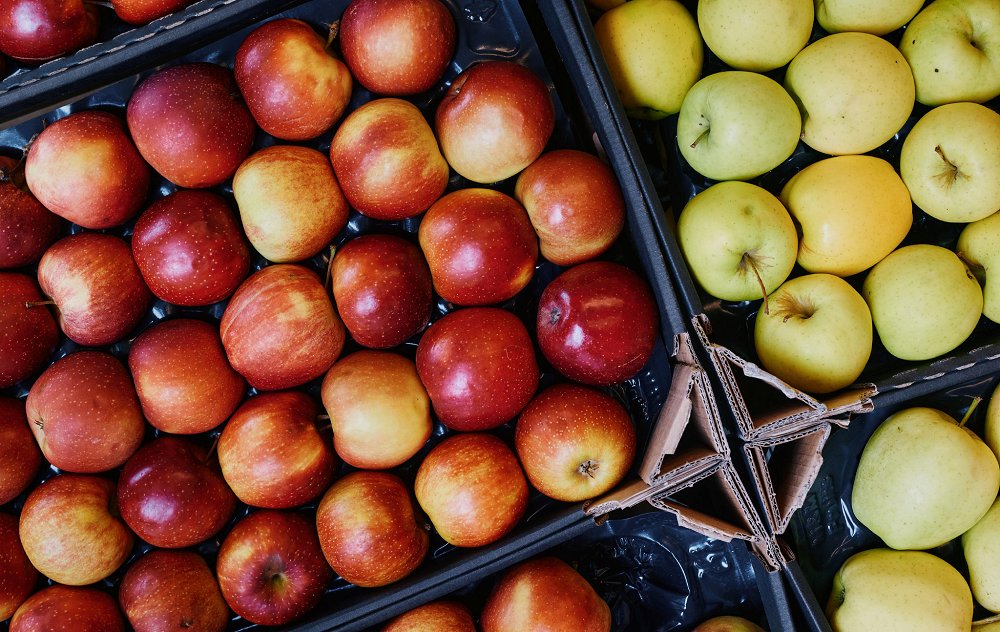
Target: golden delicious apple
point(981, 545)
point(992, 432)
point(654, 54)
point(854, 90)
point(979, 247)
point(759, 36)
point(877, 17)
point(852, 210)
point(728, 624)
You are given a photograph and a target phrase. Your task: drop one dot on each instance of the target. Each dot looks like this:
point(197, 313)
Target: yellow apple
point(758, 36)
point(981, 546)
point(877, 17)
point(979, 247)
point(992, 432)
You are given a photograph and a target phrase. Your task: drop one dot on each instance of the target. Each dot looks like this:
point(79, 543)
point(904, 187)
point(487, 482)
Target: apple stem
point(968, 413)
point(30, 304)
point(988, 620)
point(334, 29)
point(211, 449)
point(700, 138)
point(99, 3)
point(747, 260)
point(329, 267)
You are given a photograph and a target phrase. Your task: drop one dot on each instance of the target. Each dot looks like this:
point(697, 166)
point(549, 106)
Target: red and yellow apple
point(68, 608)
point(437, 615)
point(34, 31)
point(164, 590)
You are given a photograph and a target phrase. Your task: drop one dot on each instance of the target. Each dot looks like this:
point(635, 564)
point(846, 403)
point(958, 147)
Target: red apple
point(271, 568)
point(28, 332)
point(68, 608)
point(597, 323)
point(190, 123)
point(294, 86)
point(280, 329)
point(433, 617)
point(290, 202)
point(18, 579)
point(387, 160)
point(272, 454)
point(382, 288)
point(378, 409)
point(478, 366)
point(472, 489)
point(190, 248)
point(84, 413)
point(19, 455)
point(144, 11)
point(172, 590)
point(26, 227)
point(397, 47)
point(369, 530)
point(494, 121)
point(97, 288)
point(171, 496)
point(84, 168)
point(574, 203)
point(70, 530)
point(544, 594)
point(36, 30)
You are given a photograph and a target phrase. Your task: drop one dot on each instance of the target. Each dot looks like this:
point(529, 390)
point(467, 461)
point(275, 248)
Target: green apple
point(981, 545)
point(992, 432)
point(953, 48)
point(877, 17)
point(950, 162)
point(979, 247)
point(736, 238)
point(881, 590)
point(854, 90)
point(815, 333)
point(759, 36)
point(923, 479)
point(852, 212)
point(924, 301)
point(654, 54)
point(736, 125)
point(728, 624)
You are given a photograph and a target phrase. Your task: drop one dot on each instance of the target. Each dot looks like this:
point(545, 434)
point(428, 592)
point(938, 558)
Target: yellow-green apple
point(472, 489)
point(369, 529)
point(480, 246)
point(27, 228)
point(84, 168)
point(28, 332)
point(378, 408)
point(924, 301)
point(950, 161)
point(34, 31)
point(981, 546)
point(70, 530)
point(544, 594)
point(979, 247)
point(899, 591)
point(272, 454)
point(737, 125)
point(382, 289)
point(738, 240)
point(437, 615)
point(97, 287)
point(397, 47)
point(19, 577)
point(878, 18)
point(190, 124)
point(19, 454)
point(170, 590)
point(387, 160)
point(953, 47)
point(728, 623)
point(640, 40)
point(574, 442)
point(85, 414)
point(280, 329)
point(270, 567)
point(495, 119)
point(478, 366)
point(851, 212)
point(190, 248)
point(597, 323)
point(172, 495)
point(68, 608)
point(758, 36)
point(854, 90)
point(139, 12)
point(991, 433)
point(574, 204)
point(295, 87)
point(923, 479)
point(289, 201)
point(815, 333)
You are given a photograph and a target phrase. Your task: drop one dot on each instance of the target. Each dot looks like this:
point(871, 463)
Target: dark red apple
point(280, 329)
point(597, 323)
point(166, 591)
point(271, 568)
point(33, 31)
point(171, 496)
point(71, 532)
point(472, 489)
point(480, 246)
point(27, 228)
point(19, 455)
point(369, 529)
point(544, 594)
point(295, 87)
point(28, 332)
point(190, 123)
point(478, 365)
point(190, 248)
point(433, 617)
point(18, 579)
point(494, 121)
point(97, 288)
point(382, 288)
point(84, 413)
point(68, 608)
point(85, 168)
point(272, 454)
point(144, 11)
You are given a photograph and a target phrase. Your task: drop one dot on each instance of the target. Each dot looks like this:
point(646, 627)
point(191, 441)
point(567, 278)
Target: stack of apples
point(196, 346)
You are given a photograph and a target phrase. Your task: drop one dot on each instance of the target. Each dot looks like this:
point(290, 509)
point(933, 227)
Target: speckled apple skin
point(28, 335)
point(34, 31)
point(27, 228)
point(139, 12)
point(19, 577)
point(19, 454)
point(68, 608)
point(437, 615)
point(164, 589)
